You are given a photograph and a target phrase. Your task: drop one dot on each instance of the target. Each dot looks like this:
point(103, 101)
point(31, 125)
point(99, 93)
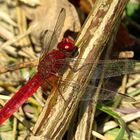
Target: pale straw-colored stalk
point(94, 35)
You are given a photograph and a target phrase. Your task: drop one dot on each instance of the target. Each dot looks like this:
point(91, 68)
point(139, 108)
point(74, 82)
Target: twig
point(94, 36)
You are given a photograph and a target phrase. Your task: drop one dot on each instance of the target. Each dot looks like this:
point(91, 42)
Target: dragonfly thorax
point(49, 66)
point(55, 61)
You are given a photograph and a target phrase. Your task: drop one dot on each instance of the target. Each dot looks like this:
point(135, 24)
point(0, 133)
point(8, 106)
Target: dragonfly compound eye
point(66, 45)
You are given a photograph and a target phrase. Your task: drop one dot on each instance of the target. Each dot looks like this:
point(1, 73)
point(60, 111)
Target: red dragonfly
point(53, 63)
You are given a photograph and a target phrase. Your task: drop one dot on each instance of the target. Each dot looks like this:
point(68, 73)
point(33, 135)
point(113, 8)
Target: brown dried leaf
point(46, 14)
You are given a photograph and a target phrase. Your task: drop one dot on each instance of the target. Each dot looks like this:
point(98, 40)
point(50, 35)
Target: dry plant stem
point(15, 128)
point(17, 38)
point(46, 110)
point(21, 19)
point(135, 81)
point(99, 136)
point(4, 33)
point(94, 36)
point(73, 125)
point(25, 42)
point(87, 108)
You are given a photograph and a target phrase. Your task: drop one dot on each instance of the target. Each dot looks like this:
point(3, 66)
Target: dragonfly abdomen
point(20, 97)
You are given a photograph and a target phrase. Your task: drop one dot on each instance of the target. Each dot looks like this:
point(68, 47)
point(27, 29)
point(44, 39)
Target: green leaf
point(117, 117)
point(131, 8)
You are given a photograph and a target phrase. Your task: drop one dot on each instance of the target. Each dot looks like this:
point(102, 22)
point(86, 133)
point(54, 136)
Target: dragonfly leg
point(60, 90)
point(50, 83)
point(47, 86)
point(75, 70)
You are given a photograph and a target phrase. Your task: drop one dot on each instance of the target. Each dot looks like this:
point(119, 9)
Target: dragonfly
point(55, 63)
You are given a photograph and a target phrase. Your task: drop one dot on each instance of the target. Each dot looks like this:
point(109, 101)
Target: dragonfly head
point(68, 48)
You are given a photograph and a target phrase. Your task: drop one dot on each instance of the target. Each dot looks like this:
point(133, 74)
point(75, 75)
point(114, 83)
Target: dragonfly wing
point(46, 40)
point(105, 94)
point(116, 68)
point(110, 68)
point(51, 37)
point(57, 81)
point(58, 28)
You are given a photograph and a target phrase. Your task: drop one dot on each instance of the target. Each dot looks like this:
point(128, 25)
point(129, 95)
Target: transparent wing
point(117, 68)
point(104, 95)
point(111, 68)
point(51, 37)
